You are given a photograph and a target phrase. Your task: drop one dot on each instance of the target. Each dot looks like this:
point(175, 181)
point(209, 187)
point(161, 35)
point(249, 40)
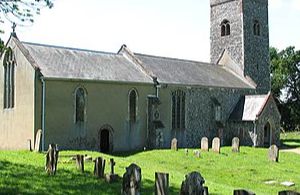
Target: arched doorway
point(104, 141)
point(267, 134)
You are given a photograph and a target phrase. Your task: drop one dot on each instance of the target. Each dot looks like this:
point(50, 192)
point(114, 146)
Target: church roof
point(70, 63)
point(186, 72)
point(249, 107)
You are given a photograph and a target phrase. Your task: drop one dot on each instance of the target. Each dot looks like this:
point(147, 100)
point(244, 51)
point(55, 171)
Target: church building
point(125, 101)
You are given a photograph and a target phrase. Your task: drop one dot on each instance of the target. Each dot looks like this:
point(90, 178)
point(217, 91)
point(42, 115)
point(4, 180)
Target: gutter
point(43, 112)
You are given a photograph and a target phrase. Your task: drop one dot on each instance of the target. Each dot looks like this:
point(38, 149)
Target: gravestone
point(204, 144)
point(186, 151)
point(80, 162)
point(161, 183)
point(111, 177)
point(235, 144)
point(216, 145)
point(242, 192)
point(196, 153)
point(288, 193)
point(273, 153)
point(29, 145)
point(132, 178)
point(193, 184)
point(51, 159)
point(38, 137)
point(174, 144)
point(99, 167)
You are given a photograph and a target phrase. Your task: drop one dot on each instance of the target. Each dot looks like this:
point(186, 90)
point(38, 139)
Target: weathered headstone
point(80, 162)
point(242, 192)
point(99, 167)
point(29, 145)
point(51, 159)
point(273, 153)
point(205, 192)
point(186, 151)
point(235, 144)
point(174, 144)
point(216, 145)
point(204, 144)
point(193, 184)
point(161, 183)
point(38, 137)
point(288, 193)
point(111, 177)
point(196, 153)
point(132, 178)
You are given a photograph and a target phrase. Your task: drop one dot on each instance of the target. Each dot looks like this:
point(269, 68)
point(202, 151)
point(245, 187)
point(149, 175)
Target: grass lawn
point(22, 172)
point(291, 139)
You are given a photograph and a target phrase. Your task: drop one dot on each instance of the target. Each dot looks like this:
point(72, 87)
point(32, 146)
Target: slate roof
point(249, 107)
point(177, 71)
point(70, 63)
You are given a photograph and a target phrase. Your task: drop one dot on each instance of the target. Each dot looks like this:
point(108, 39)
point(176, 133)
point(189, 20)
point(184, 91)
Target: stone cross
point(112, 164)
point(235, 144)
point(161, 183)
point(273, 153)
point(204, 144)
point(174, 144)
point(216, 145)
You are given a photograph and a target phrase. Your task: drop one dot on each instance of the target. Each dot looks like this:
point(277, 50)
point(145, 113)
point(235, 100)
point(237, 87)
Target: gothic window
point(9, 79)
point(178, 109)
point(132, 105)
point(256, 28)
point(80, 103)
point(216, 109)
point(225, 28)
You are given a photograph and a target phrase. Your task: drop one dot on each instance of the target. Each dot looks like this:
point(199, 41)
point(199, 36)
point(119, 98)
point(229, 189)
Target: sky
point(172, 28)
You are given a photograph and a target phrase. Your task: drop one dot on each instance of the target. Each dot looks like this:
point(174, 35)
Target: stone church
point(124, 101)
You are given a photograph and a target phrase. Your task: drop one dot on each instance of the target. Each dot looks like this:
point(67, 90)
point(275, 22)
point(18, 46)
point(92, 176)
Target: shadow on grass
point(27, 179)
point(290, 143)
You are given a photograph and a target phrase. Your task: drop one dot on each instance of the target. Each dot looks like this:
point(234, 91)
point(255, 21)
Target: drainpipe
point(43, 112)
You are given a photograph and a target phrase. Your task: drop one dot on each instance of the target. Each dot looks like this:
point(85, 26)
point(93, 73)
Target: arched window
point(225, 28)
point(80, 104)
point(9, 63)
point(216, 109)
point(132, 105)
point(256, 28)
point(178, 109)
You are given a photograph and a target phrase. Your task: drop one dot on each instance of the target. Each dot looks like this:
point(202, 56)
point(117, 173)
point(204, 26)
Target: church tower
point(240, 28)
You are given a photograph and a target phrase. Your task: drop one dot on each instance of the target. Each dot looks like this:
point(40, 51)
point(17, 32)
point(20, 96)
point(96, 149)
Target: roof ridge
point(67, 48)
point(173, 58)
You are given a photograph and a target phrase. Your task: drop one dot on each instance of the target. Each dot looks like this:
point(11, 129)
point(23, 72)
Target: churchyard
point(23, 172)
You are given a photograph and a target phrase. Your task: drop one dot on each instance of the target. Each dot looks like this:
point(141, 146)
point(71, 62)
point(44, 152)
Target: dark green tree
point(21, 12)
point(285, 74)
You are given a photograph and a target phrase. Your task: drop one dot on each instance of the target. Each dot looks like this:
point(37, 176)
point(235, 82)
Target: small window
point(132, 105)
point(225, 28)
point(9, 64)
point(178, 110)
point(256, 28)
point(80, 105)
point(217, 110)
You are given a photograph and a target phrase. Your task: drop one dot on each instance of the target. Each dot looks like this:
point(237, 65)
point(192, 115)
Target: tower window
point(256, 28)
point(225, 28)
point(178, 109)
point(9, 79)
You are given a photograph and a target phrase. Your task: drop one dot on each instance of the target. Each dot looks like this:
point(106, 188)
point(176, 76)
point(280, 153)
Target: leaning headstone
point(51, 159)
point(132, 178)
point(99, 167)
point(38, 137)
point(161, 183)
point(204, 144)
point(174, 144)
point(273, 153)
point(288, 193)
point(243, 192)
point(193, 184)
point(111, 177)
point(216, 145)
point(235, 144)
point(80, 162)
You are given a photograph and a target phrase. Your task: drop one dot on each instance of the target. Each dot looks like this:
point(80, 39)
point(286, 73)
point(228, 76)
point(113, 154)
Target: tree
point(285, 75)
point(21, 11)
